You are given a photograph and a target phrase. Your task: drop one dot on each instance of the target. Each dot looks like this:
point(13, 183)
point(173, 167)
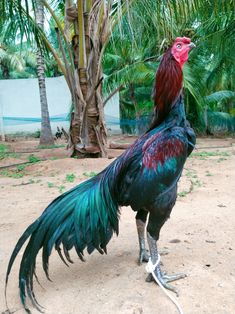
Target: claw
point(173, 277)
point(170, 287)
point(154, 268)
point(164, 279)
point(149, 278)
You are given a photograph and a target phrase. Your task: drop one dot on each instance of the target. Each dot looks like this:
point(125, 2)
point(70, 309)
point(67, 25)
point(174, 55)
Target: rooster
point(144, 177)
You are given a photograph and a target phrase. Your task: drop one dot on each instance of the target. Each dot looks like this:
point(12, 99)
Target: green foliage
point(191, 174)
point(70, 177)
point(36, 134)
point(61, 188)
point(33, 159)
point(130, 59)
point(3, 150)
point(20, 167)
point(50, 184)
point(183, 193)
point(16, 173)
point(90, 174)
point(126, 63)
point(19, 60)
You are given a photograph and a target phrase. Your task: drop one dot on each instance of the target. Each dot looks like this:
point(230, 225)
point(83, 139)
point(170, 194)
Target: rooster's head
point(181, 48)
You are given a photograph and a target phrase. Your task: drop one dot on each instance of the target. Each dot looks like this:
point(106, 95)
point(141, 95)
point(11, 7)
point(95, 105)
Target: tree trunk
point(67, 4)
point(46, 136)
point(87, 128)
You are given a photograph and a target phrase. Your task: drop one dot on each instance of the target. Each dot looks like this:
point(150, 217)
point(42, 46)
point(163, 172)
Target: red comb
point(185, 40)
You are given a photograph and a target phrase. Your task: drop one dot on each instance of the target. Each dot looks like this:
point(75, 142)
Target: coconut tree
point(10, 61)
point(17, 57)
point(46, 136)
point(208, 75)
point(82, 33)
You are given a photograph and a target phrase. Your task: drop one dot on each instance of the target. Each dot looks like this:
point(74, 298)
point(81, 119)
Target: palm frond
point(220, 96)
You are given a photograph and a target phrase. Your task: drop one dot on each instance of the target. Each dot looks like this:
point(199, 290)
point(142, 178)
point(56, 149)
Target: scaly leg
point(143, 255)
point(162, 277)
point(141, 218)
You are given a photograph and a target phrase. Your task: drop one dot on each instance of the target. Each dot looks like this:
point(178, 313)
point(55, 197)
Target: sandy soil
point(199, 238)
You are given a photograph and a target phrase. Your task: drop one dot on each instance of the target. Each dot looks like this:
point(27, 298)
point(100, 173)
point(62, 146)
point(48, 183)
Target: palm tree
point(10, 61)
point(14, 61)
point(130, 61)
point(79, 58)
point(46, 136)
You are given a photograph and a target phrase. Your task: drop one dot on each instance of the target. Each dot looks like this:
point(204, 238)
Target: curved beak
point(191, 46)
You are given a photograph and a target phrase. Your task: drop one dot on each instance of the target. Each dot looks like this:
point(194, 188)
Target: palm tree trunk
point(46, 137)
point(87, 128)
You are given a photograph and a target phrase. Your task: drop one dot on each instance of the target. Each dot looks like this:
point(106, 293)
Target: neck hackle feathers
point(169, 79)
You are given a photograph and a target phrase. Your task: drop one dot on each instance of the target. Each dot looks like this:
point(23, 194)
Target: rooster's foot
point(164, 278)
point(143, 256)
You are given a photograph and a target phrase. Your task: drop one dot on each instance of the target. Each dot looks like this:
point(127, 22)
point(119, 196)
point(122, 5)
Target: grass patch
point(50, 184)
point(61, 188)
point(3, 148)
point(16, 174)
point(36, 134)
point(19, 170)
point(90, 174)
point(33, 159)
point(70, 177)
point(183, 193)
point(4, 152)
point(194, 182)
point(20, 167)
point(191, 174)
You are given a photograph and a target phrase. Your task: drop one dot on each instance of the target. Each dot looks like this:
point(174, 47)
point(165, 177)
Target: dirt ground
point(199, 238)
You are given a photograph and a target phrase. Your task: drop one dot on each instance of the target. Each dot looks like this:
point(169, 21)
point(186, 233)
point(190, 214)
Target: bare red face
point(181, 48)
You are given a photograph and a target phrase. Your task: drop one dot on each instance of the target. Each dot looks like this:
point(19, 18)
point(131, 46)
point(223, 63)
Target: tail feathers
point(84, 217)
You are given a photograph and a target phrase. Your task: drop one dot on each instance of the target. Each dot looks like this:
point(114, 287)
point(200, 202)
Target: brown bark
point(87, 128)
point(67, 4)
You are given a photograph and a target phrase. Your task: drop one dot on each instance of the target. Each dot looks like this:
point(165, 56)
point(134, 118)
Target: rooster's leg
point(140, 224)
point(162, 277)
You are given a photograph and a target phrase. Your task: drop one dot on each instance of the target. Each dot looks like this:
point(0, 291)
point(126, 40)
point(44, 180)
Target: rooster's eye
point(178, 45)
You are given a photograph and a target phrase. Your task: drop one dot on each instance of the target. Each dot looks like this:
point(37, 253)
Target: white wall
point(20, 99)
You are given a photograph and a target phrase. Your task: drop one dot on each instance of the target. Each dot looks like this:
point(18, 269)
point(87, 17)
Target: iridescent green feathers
point(84, 217)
